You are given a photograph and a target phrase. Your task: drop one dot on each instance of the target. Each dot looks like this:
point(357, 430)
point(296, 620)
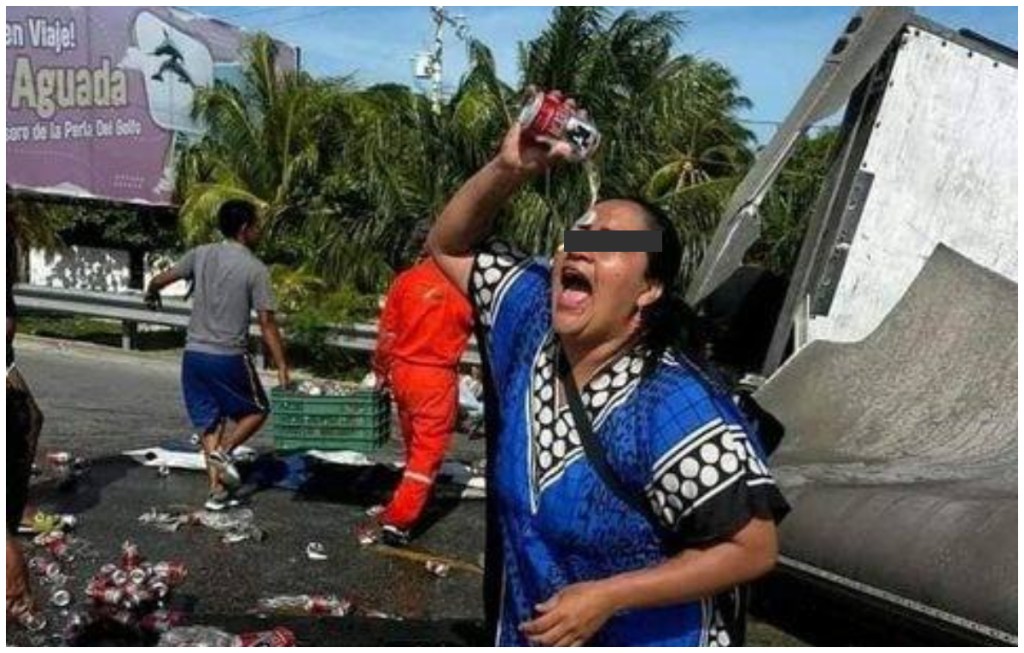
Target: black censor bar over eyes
point(581, 240)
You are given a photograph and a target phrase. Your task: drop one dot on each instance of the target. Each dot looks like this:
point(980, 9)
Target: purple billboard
point(99, 99)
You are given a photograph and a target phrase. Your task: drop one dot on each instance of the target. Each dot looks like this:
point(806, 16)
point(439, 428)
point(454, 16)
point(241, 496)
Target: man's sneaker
point(221, 500)
point(394, 536)
point(225, 468)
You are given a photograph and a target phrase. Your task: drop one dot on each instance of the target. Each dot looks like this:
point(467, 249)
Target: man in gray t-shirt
point(218, 379)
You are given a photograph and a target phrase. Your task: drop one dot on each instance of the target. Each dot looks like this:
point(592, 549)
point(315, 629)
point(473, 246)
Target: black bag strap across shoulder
point(732, 603)
point(595, 452)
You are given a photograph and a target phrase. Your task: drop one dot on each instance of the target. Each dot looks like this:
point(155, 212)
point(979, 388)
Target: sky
point(773, 51)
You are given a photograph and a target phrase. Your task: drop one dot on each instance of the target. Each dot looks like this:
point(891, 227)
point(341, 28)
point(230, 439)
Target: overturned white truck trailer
point(893, 363)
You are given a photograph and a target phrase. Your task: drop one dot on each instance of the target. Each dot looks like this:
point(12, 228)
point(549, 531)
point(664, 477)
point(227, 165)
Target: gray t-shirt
point(229, 283)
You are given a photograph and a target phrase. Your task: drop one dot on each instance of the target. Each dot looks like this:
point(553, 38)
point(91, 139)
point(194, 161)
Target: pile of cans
point(133, 591)
point(324, 388)
point(51, 561)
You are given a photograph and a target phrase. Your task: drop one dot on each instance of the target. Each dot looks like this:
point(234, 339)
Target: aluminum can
point(58, 457)
point(104, 594)
point(173, 573)
point(279, 636)
point(60, 598)
point(549, 115)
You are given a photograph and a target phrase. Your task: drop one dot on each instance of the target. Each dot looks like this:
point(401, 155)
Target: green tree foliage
point(788, 205)
point(342, 174)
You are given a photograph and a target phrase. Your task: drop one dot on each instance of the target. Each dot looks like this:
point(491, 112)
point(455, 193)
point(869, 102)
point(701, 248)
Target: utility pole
point(436, 58)
point(429, 65)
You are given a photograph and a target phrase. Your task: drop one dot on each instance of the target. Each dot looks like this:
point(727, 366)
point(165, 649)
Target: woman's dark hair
point(669, 324)
point(234, 215)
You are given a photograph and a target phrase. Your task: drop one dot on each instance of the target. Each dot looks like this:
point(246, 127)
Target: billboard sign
point(99, 99)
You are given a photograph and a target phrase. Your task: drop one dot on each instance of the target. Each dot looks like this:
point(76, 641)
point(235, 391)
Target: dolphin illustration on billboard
point(175, 62)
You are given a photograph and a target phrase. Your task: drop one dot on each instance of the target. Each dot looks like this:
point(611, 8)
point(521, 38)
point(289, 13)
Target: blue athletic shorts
point(219, 386)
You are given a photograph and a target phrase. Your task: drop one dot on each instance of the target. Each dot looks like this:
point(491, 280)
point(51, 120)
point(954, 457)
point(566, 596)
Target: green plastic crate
point(358, 421)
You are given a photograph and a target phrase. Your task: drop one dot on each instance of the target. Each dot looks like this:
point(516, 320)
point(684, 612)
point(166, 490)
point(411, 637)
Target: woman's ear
point(649, 296)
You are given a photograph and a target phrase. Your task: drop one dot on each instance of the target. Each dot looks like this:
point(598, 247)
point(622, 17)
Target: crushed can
point(104, 594)
point(59, 457)
point(172, 573)
point(61, 598)
point(438, 568)
point(37, 565)
point(52, 570)
point(279, 636)
point(547, 115)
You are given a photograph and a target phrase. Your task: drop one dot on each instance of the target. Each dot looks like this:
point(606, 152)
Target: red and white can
point(159, 588)
point(139, 575)
point(279, 636)
point(135, 596)
point(104, 594)
point(550, 115)
point(37, 564)
point(52, 570)
point(57, 547)
point(58, 457)
point(173, 573)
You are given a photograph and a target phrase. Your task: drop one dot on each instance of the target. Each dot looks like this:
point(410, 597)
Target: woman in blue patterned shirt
point(580, 564)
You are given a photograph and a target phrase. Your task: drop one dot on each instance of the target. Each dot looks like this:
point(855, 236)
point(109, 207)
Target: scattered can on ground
point(438, 568)
point(32, 621)
point(61, 598)
point(279, 636)
point(37, 565)
point(316, 551)
point(160, 589)
point(59, 457)
point(173, 573)
point(104, 595)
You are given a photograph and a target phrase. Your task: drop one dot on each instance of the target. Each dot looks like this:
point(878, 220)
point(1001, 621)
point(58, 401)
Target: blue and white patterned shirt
point(668, 433)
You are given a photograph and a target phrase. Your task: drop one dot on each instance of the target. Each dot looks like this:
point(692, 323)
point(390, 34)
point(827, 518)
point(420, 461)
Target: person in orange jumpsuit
point(423, 332)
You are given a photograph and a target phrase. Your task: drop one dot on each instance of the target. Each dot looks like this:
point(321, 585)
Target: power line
point(250, 12)
point(295, 19)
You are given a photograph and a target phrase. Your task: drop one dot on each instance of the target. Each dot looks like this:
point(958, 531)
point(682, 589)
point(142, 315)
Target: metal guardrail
point(131, 310)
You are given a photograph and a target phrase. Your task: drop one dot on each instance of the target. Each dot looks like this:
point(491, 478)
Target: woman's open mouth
point(576, 289)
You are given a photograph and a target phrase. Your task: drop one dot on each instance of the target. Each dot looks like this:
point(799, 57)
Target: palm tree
point(343, 174)
point(35, 223)
point(394, 161)
point(668, 126)
point(260, 144)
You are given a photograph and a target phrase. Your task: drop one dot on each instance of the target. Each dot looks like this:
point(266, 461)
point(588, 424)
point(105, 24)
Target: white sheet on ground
point(159, 457)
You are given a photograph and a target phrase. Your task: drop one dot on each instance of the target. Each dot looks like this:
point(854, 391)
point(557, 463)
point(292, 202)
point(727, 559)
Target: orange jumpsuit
point(423, 332)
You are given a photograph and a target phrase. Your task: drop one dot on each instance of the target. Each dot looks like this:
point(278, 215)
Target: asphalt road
point(98, 402)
